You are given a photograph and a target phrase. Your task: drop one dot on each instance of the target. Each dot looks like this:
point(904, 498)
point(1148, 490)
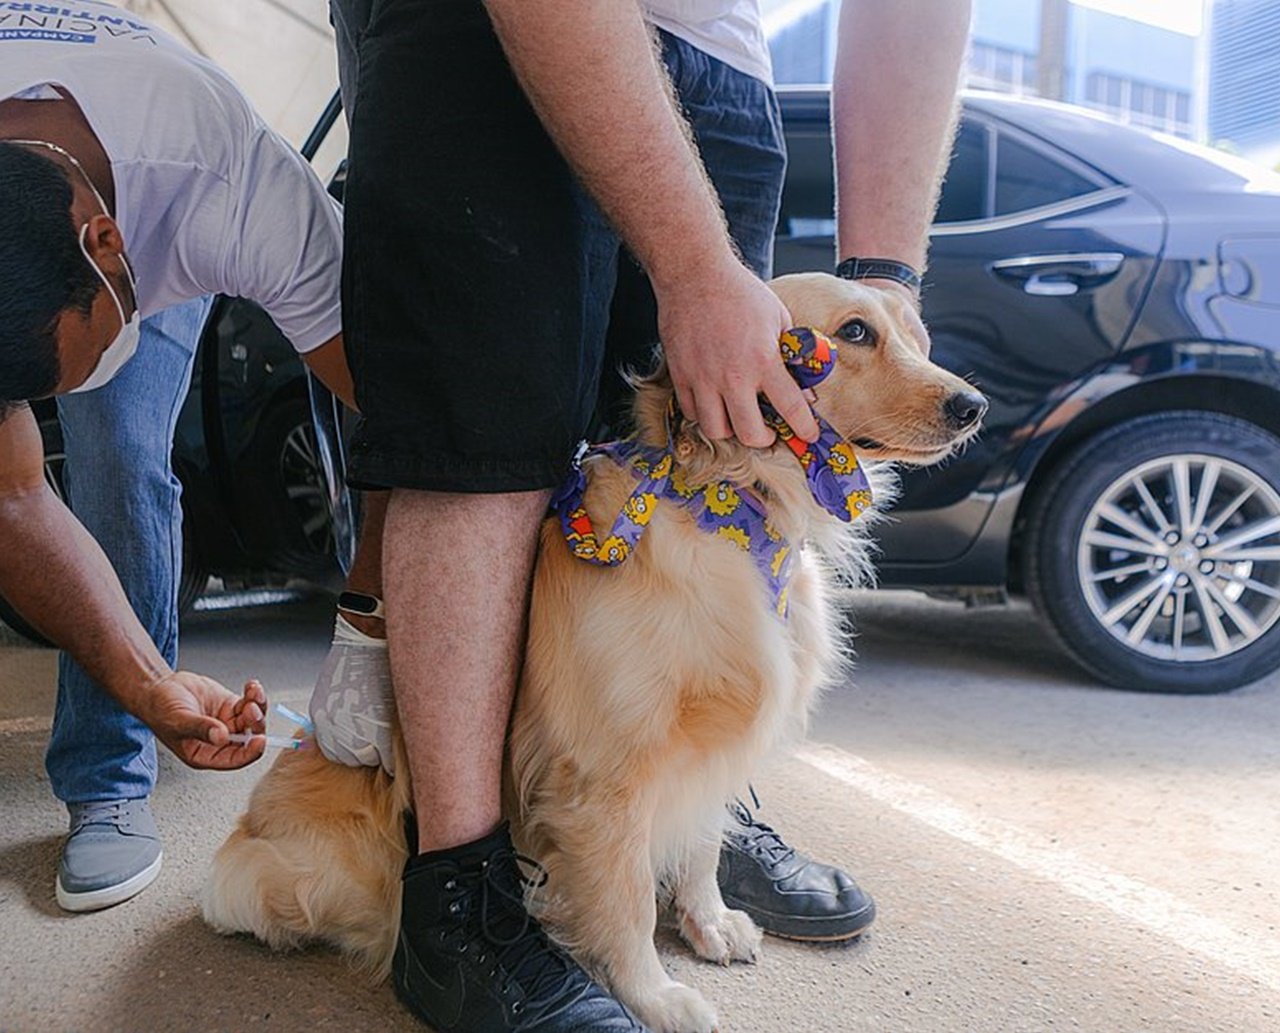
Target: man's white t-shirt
point(208, 198)
point(729, 30)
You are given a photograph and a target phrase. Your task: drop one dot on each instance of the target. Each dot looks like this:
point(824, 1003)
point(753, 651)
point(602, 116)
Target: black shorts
point(477, 277)
point(479, 281)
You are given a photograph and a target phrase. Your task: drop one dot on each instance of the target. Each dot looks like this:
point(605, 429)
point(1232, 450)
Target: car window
point(808, 194)
point(965, 190)
point(807, 199)
point(1026, 178)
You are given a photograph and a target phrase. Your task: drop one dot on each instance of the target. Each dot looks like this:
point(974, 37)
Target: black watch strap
point(362, 605)
point(879, 269)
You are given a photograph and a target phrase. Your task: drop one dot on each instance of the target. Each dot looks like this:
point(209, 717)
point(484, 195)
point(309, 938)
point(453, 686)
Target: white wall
point(279, 51)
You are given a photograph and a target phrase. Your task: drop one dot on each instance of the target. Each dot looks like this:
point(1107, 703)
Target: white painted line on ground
point(1158, 911)
point(25, 725)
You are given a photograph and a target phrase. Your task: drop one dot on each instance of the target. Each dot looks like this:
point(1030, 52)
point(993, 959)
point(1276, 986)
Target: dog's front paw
point(728, 936)
point(675, 1008)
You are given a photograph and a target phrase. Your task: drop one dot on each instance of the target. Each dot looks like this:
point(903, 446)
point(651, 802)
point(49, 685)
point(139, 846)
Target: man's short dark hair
point(42, 271)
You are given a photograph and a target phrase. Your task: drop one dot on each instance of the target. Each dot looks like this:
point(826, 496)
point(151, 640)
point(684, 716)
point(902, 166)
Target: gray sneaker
point(112, 854)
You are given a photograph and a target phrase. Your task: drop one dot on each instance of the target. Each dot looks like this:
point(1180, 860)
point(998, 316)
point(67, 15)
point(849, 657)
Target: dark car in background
point(1116, 295)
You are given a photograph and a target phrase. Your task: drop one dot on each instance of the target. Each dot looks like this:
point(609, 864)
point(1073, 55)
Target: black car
point(1116, 295)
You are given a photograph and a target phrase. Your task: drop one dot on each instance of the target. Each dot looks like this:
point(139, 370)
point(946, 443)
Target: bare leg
point(366, 567)
point(457, 570)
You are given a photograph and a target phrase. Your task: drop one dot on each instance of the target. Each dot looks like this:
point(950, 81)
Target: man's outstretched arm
point(56, 576)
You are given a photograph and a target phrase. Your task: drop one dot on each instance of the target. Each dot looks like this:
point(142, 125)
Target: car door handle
point(1061, 275)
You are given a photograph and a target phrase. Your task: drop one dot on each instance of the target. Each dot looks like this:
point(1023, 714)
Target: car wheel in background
point(1154, 553)
point(195, 575)
point(289, 477)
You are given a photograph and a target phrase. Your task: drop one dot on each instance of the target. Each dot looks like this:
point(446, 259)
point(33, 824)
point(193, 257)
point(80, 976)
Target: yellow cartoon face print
point(789, 345)
point(779, 558)
point(736, 535)
point(614, 550)
point(842, 459)
point(682, 487)
point(639, 508)
point(858, 502)
point(722, 499)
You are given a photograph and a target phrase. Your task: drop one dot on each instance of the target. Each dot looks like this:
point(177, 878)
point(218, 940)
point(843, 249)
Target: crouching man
point(136, 181)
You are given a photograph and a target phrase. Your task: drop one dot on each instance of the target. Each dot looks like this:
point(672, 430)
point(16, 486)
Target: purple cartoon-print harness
point(831, 468)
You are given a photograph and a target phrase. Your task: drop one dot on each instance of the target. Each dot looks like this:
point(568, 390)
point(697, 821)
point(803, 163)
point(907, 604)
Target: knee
point(115, 464)
point(116, 453)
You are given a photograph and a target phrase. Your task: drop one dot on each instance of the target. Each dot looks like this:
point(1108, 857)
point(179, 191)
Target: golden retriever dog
point(650, 693)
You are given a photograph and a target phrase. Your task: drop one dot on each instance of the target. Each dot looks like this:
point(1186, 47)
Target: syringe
point(283, 742)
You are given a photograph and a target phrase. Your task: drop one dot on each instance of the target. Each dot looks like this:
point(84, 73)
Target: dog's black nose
point(964, 409)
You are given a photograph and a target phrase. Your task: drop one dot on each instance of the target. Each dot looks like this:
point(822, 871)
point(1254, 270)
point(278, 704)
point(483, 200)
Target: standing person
point(135, 181)
point(477, 284)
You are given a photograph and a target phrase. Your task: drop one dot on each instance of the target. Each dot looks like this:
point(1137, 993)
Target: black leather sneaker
point(472, 960)
point(786, 893)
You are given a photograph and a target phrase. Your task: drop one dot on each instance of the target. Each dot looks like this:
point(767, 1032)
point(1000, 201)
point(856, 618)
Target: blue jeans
point(737, 124)
point(122, 489)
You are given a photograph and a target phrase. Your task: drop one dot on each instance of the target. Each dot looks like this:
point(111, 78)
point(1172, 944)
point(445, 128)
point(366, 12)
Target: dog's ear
point(704, 461)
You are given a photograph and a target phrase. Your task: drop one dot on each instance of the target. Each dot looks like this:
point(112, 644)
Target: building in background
point(1244, 78)
point(1135, 72)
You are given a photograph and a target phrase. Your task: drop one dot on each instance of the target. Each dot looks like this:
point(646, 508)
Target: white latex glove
point(352, 705)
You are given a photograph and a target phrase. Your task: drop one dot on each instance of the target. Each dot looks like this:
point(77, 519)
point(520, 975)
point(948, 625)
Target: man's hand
point(353, 707)
point(719, 330)
point(194, 715)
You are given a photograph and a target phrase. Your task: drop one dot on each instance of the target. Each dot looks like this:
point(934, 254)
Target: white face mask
point(120, 350)
point(125, 344)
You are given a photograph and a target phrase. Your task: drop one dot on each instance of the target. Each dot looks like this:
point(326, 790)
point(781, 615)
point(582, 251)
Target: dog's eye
point(856, 332)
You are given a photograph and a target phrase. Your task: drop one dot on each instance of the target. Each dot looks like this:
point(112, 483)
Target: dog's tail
point(332, 876)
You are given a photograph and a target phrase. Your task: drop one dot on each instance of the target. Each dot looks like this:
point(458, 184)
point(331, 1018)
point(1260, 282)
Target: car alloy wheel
point(287, 473)
point(1180, 558)
point(1152, 552)
point(302, 475)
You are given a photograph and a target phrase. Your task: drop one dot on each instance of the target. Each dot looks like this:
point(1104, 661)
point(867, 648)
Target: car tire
point(194, 576)
point(1137, 561)
point(290, 480)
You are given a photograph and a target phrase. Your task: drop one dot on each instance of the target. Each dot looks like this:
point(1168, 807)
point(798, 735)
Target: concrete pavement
point(1046, 854)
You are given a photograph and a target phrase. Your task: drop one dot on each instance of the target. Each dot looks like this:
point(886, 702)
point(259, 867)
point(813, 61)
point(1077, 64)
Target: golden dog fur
point(649, 695)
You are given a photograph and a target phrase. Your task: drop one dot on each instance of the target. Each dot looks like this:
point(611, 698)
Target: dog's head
point(884, 396)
